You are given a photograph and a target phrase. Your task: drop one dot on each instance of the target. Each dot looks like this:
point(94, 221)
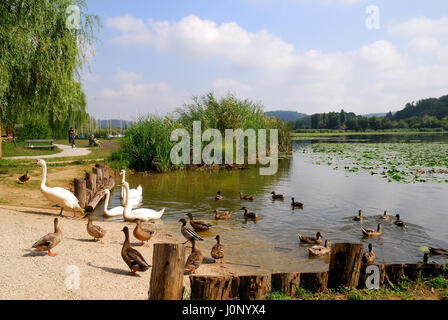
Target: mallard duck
point(311, 240)
point(218, 196)
point(398, 222)
point(369, 257)
point(218, 250)
point(277, 196)
point(195, 258)
point(225, 215)
point(296, 204)
point(49, 241)
point(188, 233)
point(438, 252)
point(425, 257)
point(95, 231)
point(371, 232)
point(246, 197)
point(249, 215)
point(385, 216)
point(359, 217)
point(198, 225)
point(319, 250)
point(25, 178)
point(141, 233)
point(132, 257)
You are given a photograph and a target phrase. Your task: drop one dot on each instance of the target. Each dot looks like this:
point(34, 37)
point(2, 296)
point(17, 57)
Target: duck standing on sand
point(49, 241)
point(141, 233)
point(218, 250)
point(198, 225)
point(311, 240)
point(132, 257)
point(195, 258)
point(25, 178)
point(369, 257)
point(96, 232)
point(249, 215)
point(296, 204)
point(225, 215)
point(399, 222)
point(188, 233)
point(277, 196)
point(319, 251)
point(371, 232)
point(359, 217)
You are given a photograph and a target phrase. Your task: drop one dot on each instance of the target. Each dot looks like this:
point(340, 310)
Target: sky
point(307, 56)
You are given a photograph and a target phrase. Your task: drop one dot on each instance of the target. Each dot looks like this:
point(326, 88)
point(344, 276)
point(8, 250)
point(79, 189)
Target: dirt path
point(102, 272)
point(67, 151)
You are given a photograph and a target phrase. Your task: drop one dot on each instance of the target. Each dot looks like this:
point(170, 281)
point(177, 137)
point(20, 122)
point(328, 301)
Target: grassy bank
point(9, 149)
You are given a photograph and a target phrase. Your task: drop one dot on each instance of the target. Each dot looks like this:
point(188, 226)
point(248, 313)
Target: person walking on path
point(71, 137)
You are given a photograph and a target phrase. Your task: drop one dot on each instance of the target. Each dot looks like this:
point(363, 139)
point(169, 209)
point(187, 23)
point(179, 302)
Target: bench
point(31, 145)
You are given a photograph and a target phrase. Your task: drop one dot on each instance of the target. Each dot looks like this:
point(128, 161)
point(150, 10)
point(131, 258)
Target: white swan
point(114, 212)
point(62, 197)
point(141, 213)
point(135, 195)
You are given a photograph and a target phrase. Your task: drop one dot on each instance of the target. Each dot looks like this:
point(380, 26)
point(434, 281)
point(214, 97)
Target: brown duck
point(277, 196)
point(367, 232)
point(359, 217)
point(218, 196)
point(218, 250)
point(198, 225)
point(369, 257)
point(311, 240)
point(132, 257)
point(142, 233)
point(249, 215)
point(399, 222)
point(246, 197)
point(195, 258)
point(49, 241)
point(95, 231)
point(25, 178)
point(225, 215)
point(296, 204)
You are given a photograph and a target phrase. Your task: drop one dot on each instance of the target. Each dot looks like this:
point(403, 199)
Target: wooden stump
point(106, 174)
point(431, 270)
point(214, 288)
point(91, 181)
point(80, 191)
point(285, 283)
point(254, 287)
point(99, 196)
point(364, 276)
point(345, 265)
point(167, 272)
point(314, 281)
point(99, 177)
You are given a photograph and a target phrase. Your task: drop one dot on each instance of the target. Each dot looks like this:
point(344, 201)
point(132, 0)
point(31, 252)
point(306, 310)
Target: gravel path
point(67, 151)
point(25, 274)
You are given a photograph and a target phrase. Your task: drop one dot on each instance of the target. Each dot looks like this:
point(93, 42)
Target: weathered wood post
point(314, 281)
point(254, 287)
point(106, 174)
point(167, 272)
point(214, 288)
point(99, 177)
point(345, 265)
point(80, 192)
point(285, 283)
point(91, 181)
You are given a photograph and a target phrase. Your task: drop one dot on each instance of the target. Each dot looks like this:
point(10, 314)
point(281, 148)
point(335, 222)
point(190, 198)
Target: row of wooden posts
point(346, 270)
point(89, 190)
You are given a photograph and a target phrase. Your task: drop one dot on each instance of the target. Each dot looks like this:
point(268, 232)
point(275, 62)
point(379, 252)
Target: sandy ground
point(103, 274)
point(67, 151)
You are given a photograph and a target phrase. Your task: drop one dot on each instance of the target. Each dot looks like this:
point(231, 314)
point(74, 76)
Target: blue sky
point(301, 55)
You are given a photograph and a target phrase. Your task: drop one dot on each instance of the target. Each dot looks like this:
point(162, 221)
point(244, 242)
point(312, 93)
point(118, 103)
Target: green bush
point(277, 296)
point(439, 282)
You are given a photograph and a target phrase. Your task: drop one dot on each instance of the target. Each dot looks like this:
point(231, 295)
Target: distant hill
point(286, 115)
point(383, 114)
point(115, 123)
point(437, 107)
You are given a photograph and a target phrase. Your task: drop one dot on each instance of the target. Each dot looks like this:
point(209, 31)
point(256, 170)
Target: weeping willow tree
point(43, 47)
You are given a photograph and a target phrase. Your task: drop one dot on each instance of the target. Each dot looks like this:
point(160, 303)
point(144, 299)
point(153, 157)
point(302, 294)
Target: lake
point(331, 195)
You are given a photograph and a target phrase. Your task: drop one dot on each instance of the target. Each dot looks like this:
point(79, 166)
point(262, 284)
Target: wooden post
point(254, 287)
point(99, 177)
point(285, 283)
point(167, 272)
point(314, 281)
point(80, 191)
point(91, 181)
point(106, 174)
point(364, 276)
point(345, 265)
point(214, 288)
point(99, 196)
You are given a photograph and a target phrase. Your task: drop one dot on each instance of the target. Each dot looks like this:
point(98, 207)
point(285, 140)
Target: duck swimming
point(371, 232)
point(198, 225)
point(249, 215)
point(311, 240)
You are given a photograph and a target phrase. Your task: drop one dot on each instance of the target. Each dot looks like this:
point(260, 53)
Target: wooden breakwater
point(90, 190)
point(346, 270)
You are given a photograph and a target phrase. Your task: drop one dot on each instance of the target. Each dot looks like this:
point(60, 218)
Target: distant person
point(95, 142)
point(71, 137)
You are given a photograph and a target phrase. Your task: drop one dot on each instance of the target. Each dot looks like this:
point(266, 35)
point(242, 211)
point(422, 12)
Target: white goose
point(62, 197)
point(135, 195)
point(141, 213)
point(114, 212)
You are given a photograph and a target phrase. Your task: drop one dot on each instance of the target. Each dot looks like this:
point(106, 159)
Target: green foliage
point(303, 294)
point(354, 294)
point(439, 282)
point(36, 128)
point(277, 296)
point(444, 295)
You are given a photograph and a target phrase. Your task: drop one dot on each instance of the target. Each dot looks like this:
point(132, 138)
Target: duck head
point(318, 235)
point(184, 222)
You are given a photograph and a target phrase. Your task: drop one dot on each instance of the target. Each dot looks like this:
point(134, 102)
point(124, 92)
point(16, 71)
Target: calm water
point(332, 198)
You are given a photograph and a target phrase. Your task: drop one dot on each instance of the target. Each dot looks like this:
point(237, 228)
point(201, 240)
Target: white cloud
point(376, 77)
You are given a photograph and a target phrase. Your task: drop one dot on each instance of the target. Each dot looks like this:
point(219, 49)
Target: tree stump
point(431, 270)
point(314, 281)
point(214, 288)
point(285, 283)
point(99, 177)
point(80, 191)
point(106, 174)
point(167, 272)
point(91, 181)
point(364, 276)
point(254, 287)
point(345, 265)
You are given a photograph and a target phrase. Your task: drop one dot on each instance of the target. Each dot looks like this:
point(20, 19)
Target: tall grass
point(147, 145)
